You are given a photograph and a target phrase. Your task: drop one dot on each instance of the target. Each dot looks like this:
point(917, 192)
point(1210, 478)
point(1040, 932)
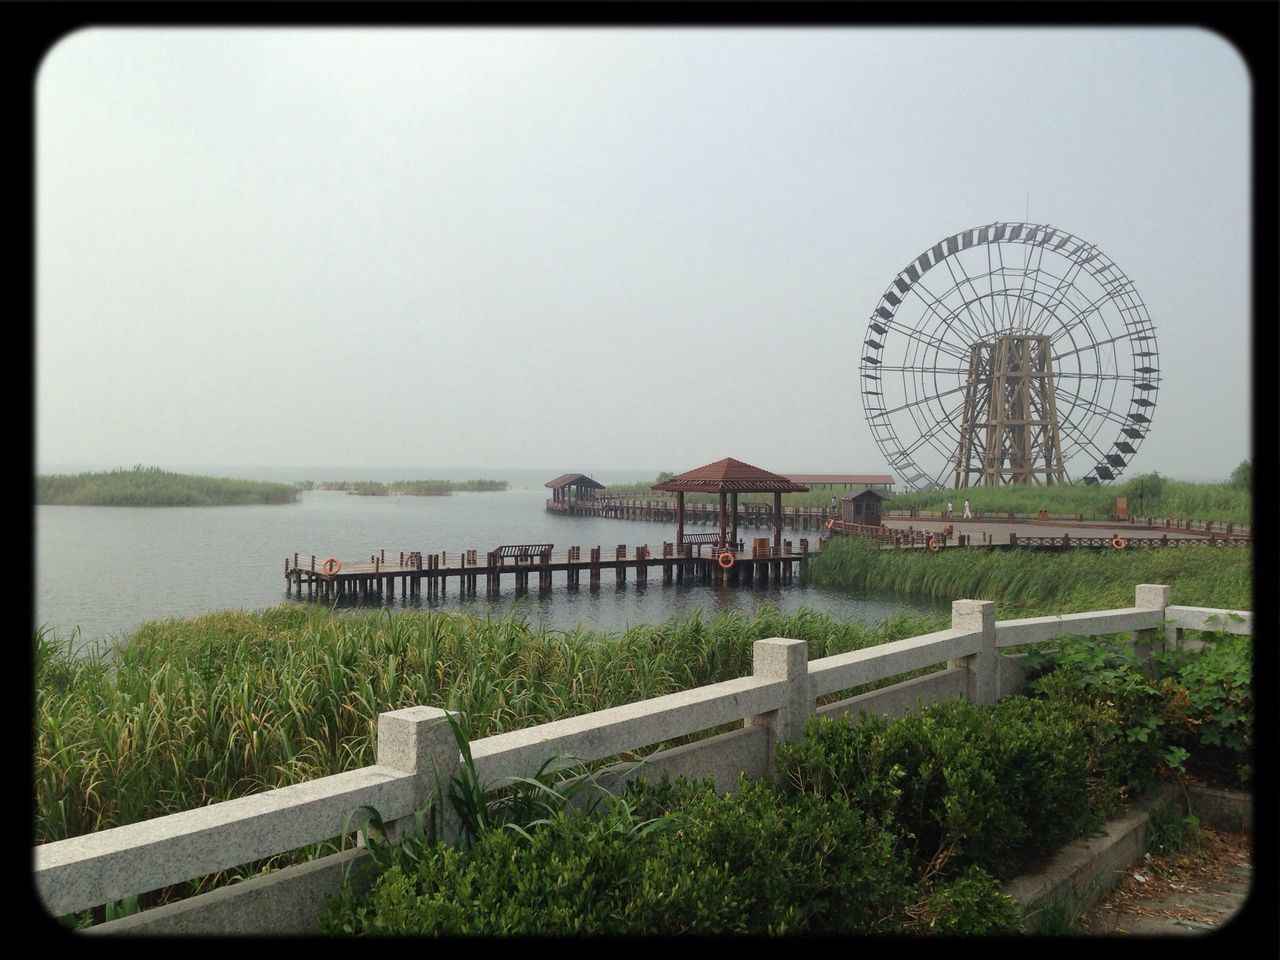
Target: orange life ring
point(831, 523)
point(331, 566)
point(934, 545)
point(1117, 542)
point(725, 559)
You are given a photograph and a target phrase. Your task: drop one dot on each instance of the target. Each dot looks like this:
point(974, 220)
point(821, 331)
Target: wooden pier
point(417, 574)
point(750, 514)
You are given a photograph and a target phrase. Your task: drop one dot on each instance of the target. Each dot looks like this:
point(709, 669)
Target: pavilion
point(567, 489)
point(729, 477)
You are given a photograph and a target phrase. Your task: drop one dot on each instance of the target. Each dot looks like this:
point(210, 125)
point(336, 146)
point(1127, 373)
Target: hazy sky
point(592, 249)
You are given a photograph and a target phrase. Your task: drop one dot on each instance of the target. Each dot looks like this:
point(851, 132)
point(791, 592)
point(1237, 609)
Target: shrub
point(1219, 739)
point(962, 785)
point(1131, 718)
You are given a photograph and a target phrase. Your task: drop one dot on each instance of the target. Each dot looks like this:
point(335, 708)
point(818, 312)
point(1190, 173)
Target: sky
point(595, 249)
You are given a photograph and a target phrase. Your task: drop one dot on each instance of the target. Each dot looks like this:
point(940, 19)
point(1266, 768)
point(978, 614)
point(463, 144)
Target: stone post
point(419, 740)
point(780, 659)
point(982, 683)
point(1150, 596)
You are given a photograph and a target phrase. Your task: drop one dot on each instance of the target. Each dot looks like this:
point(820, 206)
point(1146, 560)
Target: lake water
point(107, 570)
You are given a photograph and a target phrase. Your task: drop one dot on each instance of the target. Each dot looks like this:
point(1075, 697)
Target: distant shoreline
point(153, 487)
point(408, 488)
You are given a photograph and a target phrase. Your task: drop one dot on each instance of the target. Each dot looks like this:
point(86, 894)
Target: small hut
point(862, 508)
point(729, 477)
point(567, 490)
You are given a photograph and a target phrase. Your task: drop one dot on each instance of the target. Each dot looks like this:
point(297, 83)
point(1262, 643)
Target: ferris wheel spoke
point(1132, 378)
point(1083, 441)
point(886, 368)
point(920, 336)
point(1056, 298)
point(980, 321)
point(940, 309)
point(1035, 284)
point(1097, 409)
point(880, 415)
point(1083, 313)
point(939, 424)
point(1091, 346)
point(1004, 293)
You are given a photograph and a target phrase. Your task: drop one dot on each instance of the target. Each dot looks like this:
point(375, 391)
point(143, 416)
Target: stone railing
point(416, 750)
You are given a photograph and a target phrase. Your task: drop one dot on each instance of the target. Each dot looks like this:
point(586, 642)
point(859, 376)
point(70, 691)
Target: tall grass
point(153, 487)
point(1034, 581)
point(1149, 495)
point(189, 712)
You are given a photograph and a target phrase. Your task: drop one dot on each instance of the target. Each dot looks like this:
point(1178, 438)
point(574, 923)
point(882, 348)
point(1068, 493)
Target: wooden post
point(777, 521)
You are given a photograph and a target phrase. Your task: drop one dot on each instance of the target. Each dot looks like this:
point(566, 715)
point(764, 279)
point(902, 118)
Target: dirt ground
point(1184, 893)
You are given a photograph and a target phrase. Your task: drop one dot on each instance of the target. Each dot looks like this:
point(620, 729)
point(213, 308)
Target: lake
point(107, 570)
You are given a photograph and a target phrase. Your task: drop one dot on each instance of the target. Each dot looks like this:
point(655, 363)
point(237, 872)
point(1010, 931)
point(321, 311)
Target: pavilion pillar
point(777, 523)
point(734, 528)
point(723, 498)
point(679, 521)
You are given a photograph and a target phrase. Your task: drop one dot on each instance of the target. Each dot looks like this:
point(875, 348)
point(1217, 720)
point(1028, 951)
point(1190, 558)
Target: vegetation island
point(153, 487)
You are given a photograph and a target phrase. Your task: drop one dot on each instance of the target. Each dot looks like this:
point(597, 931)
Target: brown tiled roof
point(840, 477)
point(880, 494)
point(730, 475)
point(569, 479)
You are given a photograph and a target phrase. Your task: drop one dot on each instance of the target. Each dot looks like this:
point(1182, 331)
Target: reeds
point(190, 712)
point(152, 487)
point(1148, 495)
point(1026, 582)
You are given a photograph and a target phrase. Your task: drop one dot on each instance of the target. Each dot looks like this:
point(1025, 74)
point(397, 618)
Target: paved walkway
point(1181, 894)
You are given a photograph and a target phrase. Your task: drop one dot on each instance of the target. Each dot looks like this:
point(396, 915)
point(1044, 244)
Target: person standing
point(833, 504)
point(967, 514)
point(948, 509)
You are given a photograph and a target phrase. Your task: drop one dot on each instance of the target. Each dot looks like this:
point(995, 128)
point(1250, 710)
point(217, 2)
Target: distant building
point(862, 507)
point(847, 482)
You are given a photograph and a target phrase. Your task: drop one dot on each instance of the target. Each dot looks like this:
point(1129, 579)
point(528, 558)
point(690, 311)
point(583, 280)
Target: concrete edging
point(1085, 870)
point(1079, 874)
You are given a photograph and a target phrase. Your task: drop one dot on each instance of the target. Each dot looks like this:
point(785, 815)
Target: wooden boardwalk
point(417, 574)
point(663, 510)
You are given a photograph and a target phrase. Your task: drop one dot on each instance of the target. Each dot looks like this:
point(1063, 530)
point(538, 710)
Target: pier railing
point(415, 747)
point(1173, 524)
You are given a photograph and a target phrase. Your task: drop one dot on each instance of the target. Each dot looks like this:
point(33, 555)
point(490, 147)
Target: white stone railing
point(416, 750)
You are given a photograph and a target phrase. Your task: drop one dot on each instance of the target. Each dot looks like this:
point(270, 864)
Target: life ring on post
point(331, 566)
point(934, 545)
point(831, 523)
point(725, 559)
point(1118, 542)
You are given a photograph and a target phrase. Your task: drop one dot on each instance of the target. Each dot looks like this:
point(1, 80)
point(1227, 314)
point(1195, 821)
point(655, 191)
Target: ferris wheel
point(1010, 353)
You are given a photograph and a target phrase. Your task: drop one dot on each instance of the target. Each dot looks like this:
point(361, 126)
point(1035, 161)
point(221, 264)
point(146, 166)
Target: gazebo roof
point(729, 475)
point(573, 480)
point(878, 494)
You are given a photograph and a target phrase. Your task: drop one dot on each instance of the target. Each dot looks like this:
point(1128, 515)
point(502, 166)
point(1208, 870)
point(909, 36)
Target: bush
point(1131, 718)
point(961, 785)
point(1180, 712)
point(1219, 734)
point(672, 858)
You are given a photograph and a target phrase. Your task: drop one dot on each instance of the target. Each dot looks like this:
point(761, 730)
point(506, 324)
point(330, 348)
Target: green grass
point(1030, 582)
point(1149, 495)
point(153, 487)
